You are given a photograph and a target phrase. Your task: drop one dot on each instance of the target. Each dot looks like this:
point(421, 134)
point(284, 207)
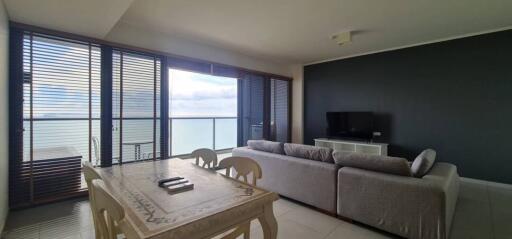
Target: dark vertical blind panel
point(252, 92)
point(106, 106)
point(266, 109)
point(136, 106)
point(164, 110)
point(279, 110)
point(18, 191)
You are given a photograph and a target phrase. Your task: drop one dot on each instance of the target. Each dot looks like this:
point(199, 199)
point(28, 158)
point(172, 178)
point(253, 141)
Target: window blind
point(251, 108)
point(136, 107)
point(279, 110)
point(61, 102)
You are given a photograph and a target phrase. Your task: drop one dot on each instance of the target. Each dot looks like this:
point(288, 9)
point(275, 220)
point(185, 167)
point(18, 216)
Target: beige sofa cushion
point(384, 164)
point(266, 146)
point(309, 152)
point(423, 163)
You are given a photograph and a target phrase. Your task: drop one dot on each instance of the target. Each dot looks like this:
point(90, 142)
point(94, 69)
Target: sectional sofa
point(413, 200)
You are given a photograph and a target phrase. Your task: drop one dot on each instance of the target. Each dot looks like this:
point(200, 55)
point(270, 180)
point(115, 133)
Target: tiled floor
point(483, 211)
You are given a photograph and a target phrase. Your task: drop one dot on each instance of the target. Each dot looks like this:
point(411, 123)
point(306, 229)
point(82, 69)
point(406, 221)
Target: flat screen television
point(350, 125)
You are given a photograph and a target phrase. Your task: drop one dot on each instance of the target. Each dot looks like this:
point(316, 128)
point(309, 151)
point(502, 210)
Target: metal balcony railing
point(190, 133)
point(186, 135)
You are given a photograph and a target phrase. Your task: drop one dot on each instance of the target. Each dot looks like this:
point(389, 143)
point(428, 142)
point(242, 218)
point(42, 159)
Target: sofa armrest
point(407, 206)
point(445, 176)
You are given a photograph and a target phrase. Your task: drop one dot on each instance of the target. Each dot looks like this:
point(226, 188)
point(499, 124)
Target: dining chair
point(96, 146)
point(89, 175)
point(243, 167)
point(207, 155)
point(111, 215)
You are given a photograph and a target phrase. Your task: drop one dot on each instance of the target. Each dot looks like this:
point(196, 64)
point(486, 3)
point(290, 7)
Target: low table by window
point(136, 146)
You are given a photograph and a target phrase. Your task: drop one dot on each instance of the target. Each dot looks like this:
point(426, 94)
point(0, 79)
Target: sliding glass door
point(61, 110)
point(135, 107)
point(203, 111)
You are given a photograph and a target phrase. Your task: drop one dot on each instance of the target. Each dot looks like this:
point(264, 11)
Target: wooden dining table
point(215, 205)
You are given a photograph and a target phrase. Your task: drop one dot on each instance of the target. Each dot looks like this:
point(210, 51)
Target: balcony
point(190, 133)
point(187, 134)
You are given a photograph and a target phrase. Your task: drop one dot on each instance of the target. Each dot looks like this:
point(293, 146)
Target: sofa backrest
point(309, 152)
point(378, 163)
point(266, 146)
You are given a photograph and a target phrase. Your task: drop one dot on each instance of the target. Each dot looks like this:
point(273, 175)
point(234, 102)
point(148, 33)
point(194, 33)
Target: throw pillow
point(423, 163)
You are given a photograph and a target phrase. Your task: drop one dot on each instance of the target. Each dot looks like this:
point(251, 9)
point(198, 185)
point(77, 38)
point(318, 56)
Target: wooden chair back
point(111, 215)
point(96, 146)
point(208, 156)
point(243, 167)
point(89, 175)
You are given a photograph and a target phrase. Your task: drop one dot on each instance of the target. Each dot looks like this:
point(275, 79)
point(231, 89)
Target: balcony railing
point(187, 134)
point(190, 133)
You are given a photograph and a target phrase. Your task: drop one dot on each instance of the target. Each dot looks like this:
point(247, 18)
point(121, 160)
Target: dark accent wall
point(453, 96)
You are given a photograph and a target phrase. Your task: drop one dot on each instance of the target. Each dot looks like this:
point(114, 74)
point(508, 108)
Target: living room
point(271, 119)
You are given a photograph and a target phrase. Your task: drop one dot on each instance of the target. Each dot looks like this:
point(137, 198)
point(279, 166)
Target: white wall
point(4, 113)
point(297, 103)
point(134, 36)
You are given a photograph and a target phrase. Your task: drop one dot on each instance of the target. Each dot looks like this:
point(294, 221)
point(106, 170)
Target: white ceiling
point(294, 31)
point(93, 18)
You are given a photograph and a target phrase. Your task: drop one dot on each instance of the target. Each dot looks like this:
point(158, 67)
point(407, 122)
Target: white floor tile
point(484, 210)
point(501, 205)
point(309, 218)
point(472, 219)
point(28, 232)
point(473, 190)
point(290, 229)
point(353, 231)
point(283, 206)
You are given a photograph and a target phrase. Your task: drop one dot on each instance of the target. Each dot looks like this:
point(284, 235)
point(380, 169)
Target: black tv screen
point(356, 125)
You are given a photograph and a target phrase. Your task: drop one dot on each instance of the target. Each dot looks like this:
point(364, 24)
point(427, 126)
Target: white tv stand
point(353, 146)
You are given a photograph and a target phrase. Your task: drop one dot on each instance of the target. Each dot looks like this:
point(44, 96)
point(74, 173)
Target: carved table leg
point(268, 222)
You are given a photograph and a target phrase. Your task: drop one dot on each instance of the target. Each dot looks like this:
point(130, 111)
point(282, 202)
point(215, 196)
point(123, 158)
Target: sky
point(200, 95)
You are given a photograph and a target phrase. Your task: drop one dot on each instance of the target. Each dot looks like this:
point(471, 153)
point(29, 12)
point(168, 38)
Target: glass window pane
point(191, 134)
point(225, 133)
point(136, 89)
point(195, 101)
